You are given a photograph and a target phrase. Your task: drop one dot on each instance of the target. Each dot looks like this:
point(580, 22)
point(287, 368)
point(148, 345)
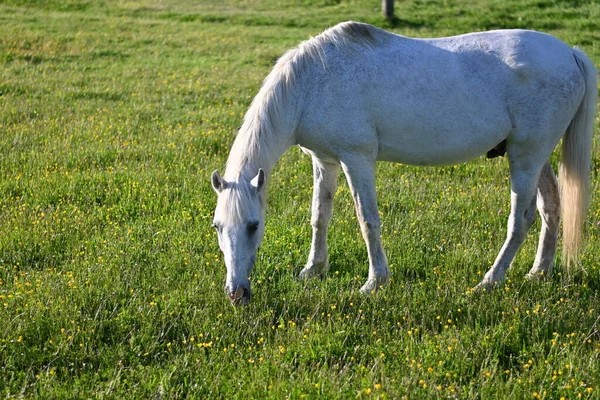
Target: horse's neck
point(268, 128)
point(249, 154)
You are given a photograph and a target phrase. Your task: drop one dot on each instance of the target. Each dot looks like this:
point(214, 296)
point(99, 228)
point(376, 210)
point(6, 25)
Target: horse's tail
point(575, 168)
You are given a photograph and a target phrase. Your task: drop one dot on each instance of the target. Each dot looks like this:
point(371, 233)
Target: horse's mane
point(266, 117)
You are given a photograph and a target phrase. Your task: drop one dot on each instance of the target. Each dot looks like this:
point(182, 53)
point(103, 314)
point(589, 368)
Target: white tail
point(576, 163)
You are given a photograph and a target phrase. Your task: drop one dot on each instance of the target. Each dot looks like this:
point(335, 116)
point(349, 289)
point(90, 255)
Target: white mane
point(234, 200)
point(266, 117)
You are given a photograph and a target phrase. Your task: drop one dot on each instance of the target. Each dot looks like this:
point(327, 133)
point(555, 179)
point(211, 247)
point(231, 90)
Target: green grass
point(112, 116)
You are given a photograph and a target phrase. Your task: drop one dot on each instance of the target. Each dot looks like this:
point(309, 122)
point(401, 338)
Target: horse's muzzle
point(239, 296)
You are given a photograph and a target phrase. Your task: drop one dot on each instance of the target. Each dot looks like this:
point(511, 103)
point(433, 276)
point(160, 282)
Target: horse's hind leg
point(325, 182)
point(524, 178)
point(548, 203)
point(361, 178)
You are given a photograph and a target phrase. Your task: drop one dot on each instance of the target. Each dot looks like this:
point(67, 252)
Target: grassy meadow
point(114, 113)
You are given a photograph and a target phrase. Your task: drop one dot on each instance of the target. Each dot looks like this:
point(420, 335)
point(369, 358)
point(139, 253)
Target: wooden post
point(388, 8)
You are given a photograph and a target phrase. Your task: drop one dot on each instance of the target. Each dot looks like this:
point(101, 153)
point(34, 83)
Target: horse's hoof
point(484, 286)
point(477, 289)
point(537, 275)
point(373, 285)
point(313, 271)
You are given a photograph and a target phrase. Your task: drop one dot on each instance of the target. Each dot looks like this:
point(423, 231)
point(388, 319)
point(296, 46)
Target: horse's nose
point(239, 295)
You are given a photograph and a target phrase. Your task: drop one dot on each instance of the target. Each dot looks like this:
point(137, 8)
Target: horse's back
point(434, 101)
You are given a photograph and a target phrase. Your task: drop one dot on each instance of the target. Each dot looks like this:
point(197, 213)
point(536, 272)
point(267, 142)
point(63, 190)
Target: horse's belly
point(432, 156)
point(438, 147)
point(441, 130)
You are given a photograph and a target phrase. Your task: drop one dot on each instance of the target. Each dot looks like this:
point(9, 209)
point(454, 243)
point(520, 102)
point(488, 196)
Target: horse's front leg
point(361, 178)
point(325, 183)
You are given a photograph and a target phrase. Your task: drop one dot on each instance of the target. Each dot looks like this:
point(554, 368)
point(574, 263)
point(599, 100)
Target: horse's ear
point(218, 183)
point(259, 180)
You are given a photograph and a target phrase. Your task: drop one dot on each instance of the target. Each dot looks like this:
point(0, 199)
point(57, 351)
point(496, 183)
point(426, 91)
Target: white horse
point(356, 94)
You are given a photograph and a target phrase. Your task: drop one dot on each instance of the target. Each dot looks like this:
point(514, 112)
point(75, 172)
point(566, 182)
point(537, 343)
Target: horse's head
point(240, 223)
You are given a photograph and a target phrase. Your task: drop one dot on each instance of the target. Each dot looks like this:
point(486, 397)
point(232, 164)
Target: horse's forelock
point(233, 201)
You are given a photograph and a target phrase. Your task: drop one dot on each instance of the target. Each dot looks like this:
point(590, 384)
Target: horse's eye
point(217, 227)
point(252, 226)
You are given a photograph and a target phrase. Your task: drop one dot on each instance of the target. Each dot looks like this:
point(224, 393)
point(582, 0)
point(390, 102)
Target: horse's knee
point(529, 217)
point(371, 222)
point(371, 226)
point(319, 223)
point(320, 218)
point(550, 211)
point(551, 219)
point(517, 228)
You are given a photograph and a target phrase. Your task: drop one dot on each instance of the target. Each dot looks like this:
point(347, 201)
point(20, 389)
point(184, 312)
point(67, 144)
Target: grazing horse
point(356, 94)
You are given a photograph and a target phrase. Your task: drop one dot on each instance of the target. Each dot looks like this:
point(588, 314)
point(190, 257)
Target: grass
point(112, 116)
